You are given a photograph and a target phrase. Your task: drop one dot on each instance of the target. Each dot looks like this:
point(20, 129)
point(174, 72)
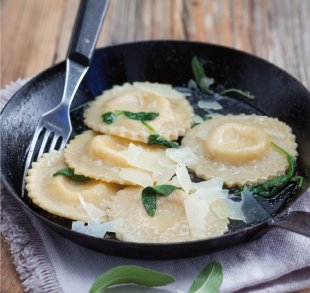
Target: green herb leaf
point(148, 126)
point(202, 80)
point(299, 179)
point(130, 275)
point(240, 92)
point(164, 190)
point(141, 116)
point(70, 174)
point(157, 139)
point(271, 187)
point(150, 193)
point(149, 200)
point(109, 117)
point(209, 280)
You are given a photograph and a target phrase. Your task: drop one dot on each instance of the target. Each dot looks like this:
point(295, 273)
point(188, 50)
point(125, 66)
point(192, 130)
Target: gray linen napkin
point(278, 262)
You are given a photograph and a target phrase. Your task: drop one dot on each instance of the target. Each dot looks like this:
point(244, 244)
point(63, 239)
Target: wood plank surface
point(35, 35)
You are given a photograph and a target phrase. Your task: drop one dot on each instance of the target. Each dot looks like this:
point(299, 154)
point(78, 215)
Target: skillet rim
point(57, 66)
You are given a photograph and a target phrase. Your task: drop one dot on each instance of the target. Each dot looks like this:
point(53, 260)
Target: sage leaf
point(149, 200)
point(209, 280)
point(141, 116)
point(148, 126)
point(157, 139)
point(130, 274)
point(68, 172)
point(202, 80)
point(164, 190)
point(109, 117)
point(272, 187)
point(150, 193)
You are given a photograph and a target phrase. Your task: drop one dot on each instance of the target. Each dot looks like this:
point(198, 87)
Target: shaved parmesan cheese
point(166, 175)
point(197, 119)
point(210, 190)
point(182, 155)
point(252, 209)
point(183, 178)
point(139, 177)
point(97, 229)
point(235, 210)
point(209, 195)
point(132, 152)
point(94, 213)
point(143, 159)
point(174, 181)
point(92, 228)
point(209, 105)
point(196, 211)
point(164, 161)
point(215, 183)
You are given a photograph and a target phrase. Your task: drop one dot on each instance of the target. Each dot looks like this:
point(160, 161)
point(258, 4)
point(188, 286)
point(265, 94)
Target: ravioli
point(238, 149)
point(115, 159)
point(175, 112)
point(170, 223)
point(63, 197)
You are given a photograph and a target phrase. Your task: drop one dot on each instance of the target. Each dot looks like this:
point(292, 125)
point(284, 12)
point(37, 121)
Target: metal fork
point(55, 126)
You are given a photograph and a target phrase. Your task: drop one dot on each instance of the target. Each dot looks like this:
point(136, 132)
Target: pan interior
point(230, 106)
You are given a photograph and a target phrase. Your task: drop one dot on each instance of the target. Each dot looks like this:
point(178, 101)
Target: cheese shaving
point(209, 105)
point(196, 212)
point(94, 213)
point(143, 159)
point(182, 155)
point(235, 210)
point(97, 229)
point(197, 119)
point(138, 177)
point(183, 178)
point(92, 228)
point(165, 177)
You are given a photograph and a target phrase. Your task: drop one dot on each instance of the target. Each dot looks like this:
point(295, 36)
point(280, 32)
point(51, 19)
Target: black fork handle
point(86, 30)
point(296, 221)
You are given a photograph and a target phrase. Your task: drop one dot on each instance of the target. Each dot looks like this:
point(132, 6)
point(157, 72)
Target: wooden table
point(35, 35)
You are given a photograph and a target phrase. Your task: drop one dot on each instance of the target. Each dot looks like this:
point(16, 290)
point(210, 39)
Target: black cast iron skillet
point(277, 95)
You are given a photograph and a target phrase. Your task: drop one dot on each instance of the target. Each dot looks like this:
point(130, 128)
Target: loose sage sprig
point(150, 193)
point(209, 280)
point(271, 187)
point(130, 274)
point(143, 117)
point(68, 172)
point(205, 82)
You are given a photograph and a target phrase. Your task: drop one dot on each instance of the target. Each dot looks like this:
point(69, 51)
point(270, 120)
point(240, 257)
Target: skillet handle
point(296, 221)
point(86, 30)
